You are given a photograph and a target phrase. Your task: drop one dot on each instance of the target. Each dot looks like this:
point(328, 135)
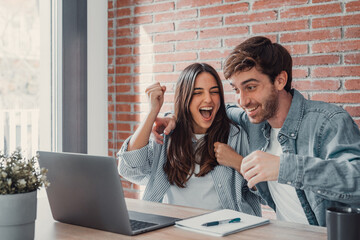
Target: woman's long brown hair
point(181, 154)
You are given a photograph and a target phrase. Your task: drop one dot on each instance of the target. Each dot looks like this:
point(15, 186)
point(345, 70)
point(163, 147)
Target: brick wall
point(153, 40)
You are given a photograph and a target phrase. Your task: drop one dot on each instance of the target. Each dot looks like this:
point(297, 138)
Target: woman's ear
point(281, 80)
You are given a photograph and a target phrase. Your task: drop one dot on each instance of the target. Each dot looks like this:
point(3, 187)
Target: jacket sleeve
point(135, 165)
point(335, 172)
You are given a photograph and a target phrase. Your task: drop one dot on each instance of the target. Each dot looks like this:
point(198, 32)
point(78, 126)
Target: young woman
point(184, 170)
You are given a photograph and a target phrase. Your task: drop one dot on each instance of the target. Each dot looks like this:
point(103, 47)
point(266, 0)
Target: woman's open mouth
point(206, 112)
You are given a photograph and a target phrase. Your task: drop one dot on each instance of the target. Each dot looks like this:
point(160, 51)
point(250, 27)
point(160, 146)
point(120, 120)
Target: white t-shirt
point(288, 206)
point(199, 191)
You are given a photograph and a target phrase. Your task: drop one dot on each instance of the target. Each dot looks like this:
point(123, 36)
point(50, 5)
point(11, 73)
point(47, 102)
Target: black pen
point(215, 223)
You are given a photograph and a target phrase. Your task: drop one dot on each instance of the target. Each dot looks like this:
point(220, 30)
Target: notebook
point(246, 221)
point(86, 190)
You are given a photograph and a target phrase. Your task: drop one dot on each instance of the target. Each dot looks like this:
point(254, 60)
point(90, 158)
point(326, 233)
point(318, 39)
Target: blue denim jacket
point(321, 155)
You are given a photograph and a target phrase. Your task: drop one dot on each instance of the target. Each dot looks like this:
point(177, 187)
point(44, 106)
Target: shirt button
point(293, 134)
point(289, 183)
point(219, 185)
point(319, 191)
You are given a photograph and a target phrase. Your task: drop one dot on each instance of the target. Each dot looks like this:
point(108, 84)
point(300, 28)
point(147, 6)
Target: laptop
point(86, 190)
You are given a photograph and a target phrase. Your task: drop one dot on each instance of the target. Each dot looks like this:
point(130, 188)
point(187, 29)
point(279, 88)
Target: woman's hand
point(226, 156)
point(155, 93)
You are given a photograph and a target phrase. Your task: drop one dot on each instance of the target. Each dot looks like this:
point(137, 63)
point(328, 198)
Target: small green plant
point(20, 175)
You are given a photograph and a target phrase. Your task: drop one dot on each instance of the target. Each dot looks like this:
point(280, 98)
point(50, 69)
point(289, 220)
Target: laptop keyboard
point(136, 225)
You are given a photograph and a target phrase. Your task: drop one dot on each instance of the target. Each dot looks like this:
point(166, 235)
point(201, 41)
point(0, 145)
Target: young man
point(305, 155)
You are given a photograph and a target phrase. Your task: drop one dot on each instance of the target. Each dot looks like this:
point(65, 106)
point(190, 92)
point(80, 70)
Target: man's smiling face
point(255, 94)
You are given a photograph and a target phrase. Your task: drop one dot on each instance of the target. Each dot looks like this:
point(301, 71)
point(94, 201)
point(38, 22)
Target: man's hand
point(260, 166)
point(163, 125)
point(226, 156)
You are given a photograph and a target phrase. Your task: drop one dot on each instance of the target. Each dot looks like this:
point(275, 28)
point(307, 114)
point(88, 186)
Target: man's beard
point(269, 108)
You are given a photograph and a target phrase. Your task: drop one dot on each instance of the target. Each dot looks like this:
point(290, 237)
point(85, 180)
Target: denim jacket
point(321, 155)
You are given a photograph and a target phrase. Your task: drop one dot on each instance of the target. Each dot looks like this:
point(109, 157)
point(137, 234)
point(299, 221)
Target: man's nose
point(242, 99)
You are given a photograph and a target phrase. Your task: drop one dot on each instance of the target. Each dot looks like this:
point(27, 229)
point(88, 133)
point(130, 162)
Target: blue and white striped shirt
point(145, 167)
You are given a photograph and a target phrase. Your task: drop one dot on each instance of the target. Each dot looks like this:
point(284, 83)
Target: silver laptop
point(86, 190)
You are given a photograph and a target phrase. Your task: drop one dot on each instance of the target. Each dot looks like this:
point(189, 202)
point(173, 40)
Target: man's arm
point(335, 173)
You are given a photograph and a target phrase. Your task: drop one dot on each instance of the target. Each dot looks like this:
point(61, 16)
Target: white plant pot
point(17, 216)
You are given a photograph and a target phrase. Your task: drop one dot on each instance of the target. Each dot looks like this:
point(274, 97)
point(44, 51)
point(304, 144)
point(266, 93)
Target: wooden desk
point(46, 228)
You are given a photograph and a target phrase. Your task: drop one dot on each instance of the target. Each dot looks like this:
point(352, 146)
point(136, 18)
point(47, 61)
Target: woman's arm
point(155, 93)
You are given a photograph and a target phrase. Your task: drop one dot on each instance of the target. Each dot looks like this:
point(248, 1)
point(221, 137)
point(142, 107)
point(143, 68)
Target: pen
point(215, 223)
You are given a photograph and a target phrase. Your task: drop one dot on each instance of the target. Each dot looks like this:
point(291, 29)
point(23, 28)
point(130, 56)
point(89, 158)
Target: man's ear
point(281, 80)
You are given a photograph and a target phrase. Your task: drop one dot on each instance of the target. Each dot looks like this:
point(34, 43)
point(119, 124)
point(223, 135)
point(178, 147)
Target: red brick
point(123, 12)
point(311, 10)
point(266, 4)
point(200, 23)
point(224, 9)
point(111, 69)
point(123, 69)
point(125, 60)
point(280, 26)
point(154, 8)
point(205, 55)
point(316, 60)
point(352, 6)
point(177, 15)
point(225, 31)
point(124, 41)
point(127, 98)
point(337, 98)
point(110, 61)
point(127, 117)
point(123, 32)
point(198, 44)
point(139, 2)
point(295, 49)
point(316, 85)
point(352, 58)
point(110, 23)
point(123, 88)
point(163, 68)
point(110, 43)
point(123, 51)
point(176, 36)
point(123, 127)
point(143, 19)
point(122, 107)
point(154, 28)
point(232, 42)
point(123, 3)
point(197, 3)
point(353, 110)
point(352, 32)
point(311, 35)
point(340, 46)
point(166, 78)
point(336, 71)
point(176, 57)
point(250, 18)
point(123, 79)
point(338, 21)
point(122, 22)
point(111, 14)
point(299, 73)
point(163, 47)
point(352, 84)
point(110, 5)
point(111, 33)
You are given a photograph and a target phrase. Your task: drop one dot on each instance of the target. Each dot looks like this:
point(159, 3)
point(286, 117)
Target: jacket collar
point(293, 119)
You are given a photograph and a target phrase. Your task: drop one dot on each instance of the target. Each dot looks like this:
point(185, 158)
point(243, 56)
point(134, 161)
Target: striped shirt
point(144, 166)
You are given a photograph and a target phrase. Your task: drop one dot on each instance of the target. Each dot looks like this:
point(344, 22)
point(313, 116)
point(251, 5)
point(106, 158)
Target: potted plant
point(20, 178)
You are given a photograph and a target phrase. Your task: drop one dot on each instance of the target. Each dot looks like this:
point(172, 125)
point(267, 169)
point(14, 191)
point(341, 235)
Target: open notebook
point(195, 223)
